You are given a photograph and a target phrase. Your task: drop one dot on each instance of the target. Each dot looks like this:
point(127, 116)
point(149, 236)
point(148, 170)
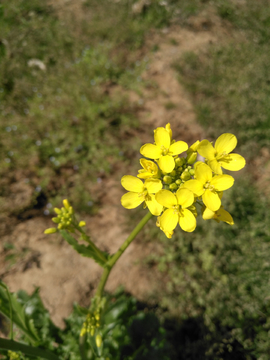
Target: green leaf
point(19, 317)
point(87, 251)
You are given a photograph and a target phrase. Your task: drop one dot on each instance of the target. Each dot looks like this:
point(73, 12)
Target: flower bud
point(178, 182)
point(173, 186)
point(167, 179)
point(50, 231)
point(185, 175)
point(192, 157)
point(192, 172)
point(98, 341)
point(82, 223)
point(57, 211)
point(56, 220)
point(66, 204)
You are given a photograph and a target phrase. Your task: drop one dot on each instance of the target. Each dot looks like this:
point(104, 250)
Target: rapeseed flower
point(177, 211)
point(207, 186)
point(219, 156)
point(140, 192)
point(164, 150)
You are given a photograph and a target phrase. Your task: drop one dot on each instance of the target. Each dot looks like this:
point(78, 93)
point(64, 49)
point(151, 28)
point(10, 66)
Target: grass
point(230, 84)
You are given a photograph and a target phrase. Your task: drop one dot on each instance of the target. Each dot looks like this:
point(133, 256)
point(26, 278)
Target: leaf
point(87, 251)
point(19, 317)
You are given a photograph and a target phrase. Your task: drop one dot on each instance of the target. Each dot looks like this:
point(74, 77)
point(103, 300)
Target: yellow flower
point(177, 211)
point(219, 215)
point(140, 192)
point(163, 150)
point(150, 170)
point(208, 186)
point(219, 156)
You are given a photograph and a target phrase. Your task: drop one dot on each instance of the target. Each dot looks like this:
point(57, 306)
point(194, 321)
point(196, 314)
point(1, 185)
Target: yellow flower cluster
point(173, 185)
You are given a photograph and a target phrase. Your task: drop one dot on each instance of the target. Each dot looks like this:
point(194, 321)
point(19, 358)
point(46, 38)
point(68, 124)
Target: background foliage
point(62, 126)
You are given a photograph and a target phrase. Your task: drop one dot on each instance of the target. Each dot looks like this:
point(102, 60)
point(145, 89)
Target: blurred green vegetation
point(64, 127)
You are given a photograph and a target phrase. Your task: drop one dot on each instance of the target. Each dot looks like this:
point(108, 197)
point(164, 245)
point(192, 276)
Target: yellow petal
point(184, 197)
point(162, 137)
point(233, 162)
point(187, 220)
point(206, 150)
point(166, 163)
point(168, 220)
point(151, 151)
point(222, 182)
point(131, 200)
point(143, 174)
point(131, 183)
point(225, 216)
point(166, 198)
point(215, 166)
point(178, 147)
point(203, 173)
point(195, 186)
point(154, 207)
point(211, 200)
point(153, 185)
point(208, 214)
point(225, 143)
point(168, 128)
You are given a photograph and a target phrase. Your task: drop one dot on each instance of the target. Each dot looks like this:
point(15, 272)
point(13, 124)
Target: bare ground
point(51, 264)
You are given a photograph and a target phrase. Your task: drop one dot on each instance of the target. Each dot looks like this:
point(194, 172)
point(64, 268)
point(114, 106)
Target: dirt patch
point(47, 261)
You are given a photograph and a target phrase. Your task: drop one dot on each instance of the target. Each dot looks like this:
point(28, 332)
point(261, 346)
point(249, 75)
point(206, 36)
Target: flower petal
point(215, 166)
point(154, 207)
point(203, 173)
point(185, 197)
point(225, 216)
point(225, 143)
point(178, 147)
point(211, 200)
point(151, 151)
point(153, 185)
point(131, 183)
point(187, 220)
point(166, 198)
point(222, 182)
point(168, 220)
point(162, 137)
point(131, 200)
point(166, 163)
point(206, 150)
point(234, 162)
point(208, 214)
point(195, 186)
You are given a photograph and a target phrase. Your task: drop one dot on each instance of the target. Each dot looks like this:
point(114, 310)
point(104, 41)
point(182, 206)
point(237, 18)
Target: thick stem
point(111, 262)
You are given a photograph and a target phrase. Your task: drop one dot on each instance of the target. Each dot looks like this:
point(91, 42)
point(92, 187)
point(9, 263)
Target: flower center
point(164, 150)
point(208, 186)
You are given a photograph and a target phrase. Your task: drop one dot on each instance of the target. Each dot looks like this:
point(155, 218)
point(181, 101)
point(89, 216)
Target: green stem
point(27, 349)
point(111, 262)
point(93, 246)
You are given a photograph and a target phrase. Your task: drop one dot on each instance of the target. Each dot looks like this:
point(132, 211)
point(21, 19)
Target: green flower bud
point(173, 173)
point(173, 186)
point(178, 182)
point(192, 157)
point(191, 171)
point(57, 211)
point(56, 220)
point(167, 179)
point(50, 231)
point(185, 175)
